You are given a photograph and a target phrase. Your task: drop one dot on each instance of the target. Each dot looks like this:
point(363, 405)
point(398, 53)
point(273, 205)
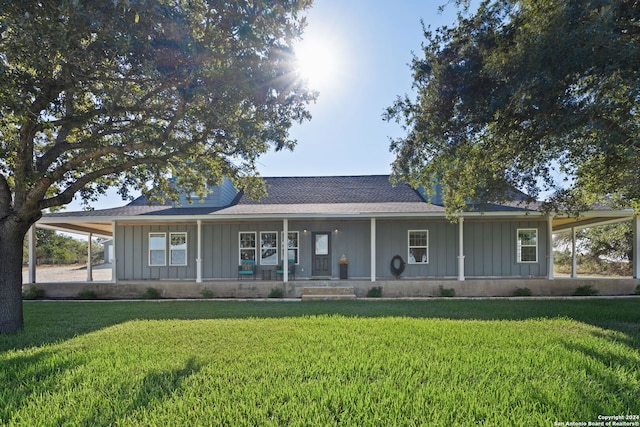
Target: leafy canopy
point(135, 92)
point(527, 94)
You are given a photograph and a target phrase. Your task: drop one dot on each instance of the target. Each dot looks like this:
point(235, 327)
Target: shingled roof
point(333, 189)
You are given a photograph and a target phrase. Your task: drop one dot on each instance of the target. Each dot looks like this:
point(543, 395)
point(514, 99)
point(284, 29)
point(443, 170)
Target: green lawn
point(377, 363)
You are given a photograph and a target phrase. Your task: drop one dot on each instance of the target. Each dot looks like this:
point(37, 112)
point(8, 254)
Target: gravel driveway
point(73, 273)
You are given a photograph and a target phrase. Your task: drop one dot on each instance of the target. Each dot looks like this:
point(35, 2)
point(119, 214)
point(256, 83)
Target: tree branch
point(66, 196)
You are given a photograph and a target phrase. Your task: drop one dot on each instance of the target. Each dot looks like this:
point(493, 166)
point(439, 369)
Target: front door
point(321, 254)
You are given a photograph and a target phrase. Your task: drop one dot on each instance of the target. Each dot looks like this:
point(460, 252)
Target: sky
point(370, 44)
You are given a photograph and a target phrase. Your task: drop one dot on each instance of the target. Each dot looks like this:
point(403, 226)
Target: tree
point(160, 95)
point(520, 93)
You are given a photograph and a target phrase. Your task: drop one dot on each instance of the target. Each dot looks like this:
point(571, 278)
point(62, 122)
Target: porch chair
point(291, 270)
point(247, 267)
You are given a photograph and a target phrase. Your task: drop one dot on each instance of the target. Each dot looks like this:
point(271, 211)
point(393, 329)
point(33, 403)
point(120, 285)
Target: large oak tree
point(527, 94)
point(152, 94)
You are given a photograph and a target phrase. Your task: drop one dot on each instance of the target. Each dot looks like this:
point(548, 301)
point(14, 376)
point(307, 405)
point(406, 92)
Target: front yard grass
point(440, 362)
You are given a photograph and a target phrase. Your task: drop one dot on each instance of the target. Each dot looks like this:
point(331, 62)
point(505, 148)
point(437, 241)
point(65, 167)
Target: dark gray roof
point(322, 195)
point(333, 189)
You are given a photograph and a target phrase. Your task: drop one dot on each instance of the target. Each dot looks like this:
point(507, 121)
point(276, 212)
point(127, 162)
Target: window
point(418, 247)
point(157, 249)
point(178, 249)
point(247, 245)
point(527, 245)
point(269, 248)
point(292, 246)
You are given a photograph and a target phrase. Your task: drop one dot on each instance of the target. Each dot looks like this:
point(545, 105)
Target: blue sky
point(372, 43)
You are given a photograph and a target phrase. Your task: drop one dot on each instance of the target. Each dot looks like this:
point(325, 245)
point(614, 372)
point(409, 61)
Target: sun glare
point(317, 63)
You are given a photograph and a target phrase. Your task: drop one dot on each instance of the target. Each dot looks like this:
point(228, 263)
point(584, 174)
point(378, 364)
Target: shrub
point(33, 292)
point(151, 293)
point(638, 290)
point(448, 292)
point(206, 293)
point(523, 292)
point(375, 292)
point(586, 290)
point(276, 293)
point(87, 294)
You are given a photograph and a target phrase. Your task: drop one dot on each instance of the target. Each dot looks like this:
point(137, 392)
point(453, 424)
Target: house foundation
point(391, 288)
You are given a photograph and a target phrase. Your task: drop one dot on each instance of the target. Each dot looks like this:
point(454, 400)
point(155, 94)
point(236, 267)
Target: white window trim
point(409, 247)
point(286, 242)
point(186, 240)
point(276, 247)
point(519, 246)
point(164, 235)
point(240, 248)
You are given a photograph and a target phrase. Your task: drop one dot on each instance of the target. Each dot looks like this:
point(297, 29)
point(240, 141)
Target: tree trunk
point(12, 233)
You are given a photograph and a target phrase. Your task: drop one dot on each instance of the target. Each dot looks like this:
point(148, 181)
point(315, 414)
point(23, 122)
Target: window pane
point(418, 238)
point(322, 244)
point(248, 254)
point(156, 257)
point(178, 257)
point(528, 237)
point(156, 241)
point(293, 254)
point(269, 248)
point(418, 255)
point(528, 254)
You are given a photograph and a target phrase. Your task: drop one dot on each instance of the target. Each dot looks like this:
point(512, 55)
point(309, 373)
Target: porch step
point(328, 293)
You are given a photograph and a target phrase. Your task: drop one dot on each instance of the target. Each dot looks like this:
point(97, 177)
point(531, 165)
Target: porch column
point(550, 247)
point(636, 247)
point(373, 249)
point(199, 254)
point(285, 250)
point(461, 248)
point(32, 254)
point(574, 256)
point(114, 270)
point(90, 258)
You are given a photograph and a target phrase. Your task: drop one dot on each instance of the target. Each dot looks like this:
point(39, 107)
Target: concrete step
point(318, 293)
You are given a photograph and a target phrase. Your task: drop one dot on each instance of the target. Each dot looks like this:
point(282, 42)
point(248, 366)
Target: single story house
point(386, 233)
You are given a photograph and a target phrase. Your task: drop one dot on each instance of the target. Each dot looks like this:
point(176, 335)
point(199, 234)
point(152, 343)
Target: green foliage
point(520, 91)
point(55, 248)
point(458, 363)
point(206, 293)
point(446, 292)
point(276, 293)
point(637, 290)
point(586, 291)
point(375, 292)
point(523, 292)
point(87, 294)
point(33, 292)
point(151, 293)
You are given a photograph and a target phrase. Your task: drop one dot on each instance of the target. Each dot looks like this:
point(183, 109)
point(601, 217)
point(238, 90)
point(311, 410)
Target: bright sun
point(317, 63)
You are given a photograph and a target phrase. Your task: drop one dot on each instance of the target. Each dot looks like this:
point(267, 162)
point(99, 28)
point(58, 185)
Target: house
point(316, 221)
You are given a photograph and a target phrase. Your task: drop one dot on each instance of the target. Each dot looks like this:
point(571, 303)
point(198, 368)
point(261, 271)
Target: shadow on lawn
point(48, 322)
